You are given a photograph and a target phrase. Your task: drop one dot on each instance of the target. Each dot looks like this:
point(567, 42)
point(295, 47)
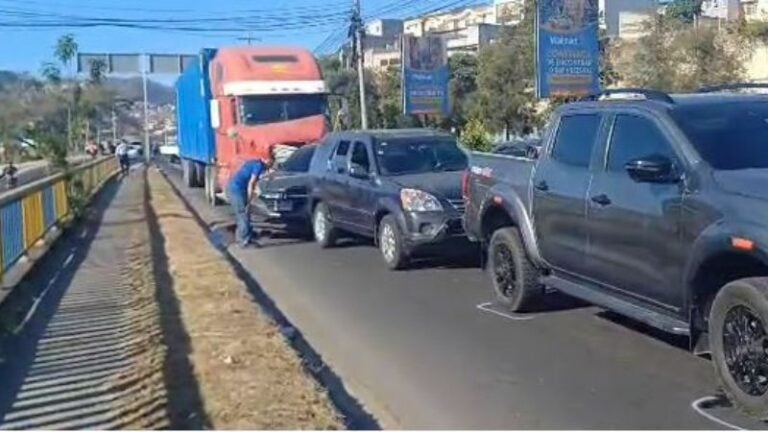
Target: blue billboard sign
point(425, 76)
point(568, 51)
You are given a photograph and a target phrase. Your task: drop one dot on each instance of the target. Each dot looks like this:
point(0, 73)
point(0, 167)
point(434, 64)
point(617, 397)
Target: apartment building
point(755, 10)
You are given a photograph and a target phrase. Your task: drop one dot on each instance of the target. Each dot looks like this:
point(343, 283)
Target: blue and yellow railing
point(29, 214)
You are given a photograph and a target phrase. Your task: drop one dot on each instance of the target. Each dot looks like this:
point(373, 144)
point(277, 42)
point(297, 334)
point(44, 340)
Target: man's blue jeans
point(239, 201)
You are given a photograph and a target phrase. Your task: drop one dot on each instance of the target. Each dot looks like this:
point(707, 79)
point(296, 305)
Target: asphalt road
point(417, 350)
point(34, 170)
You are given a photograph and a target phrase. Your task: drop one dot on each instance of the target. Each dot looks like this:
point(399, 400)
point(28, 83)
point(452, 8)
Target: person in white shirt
point(122, 155)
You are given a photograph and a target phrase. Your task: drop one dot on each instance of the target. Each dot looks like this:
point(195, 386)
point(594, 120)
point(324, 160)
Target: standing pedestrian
point(10, 173)
point(240, 191)
point(122, 156)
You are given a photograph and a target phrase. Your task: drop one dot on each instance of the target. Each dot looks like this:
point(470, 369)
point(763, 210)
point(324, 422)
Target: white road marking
point(485, 307)
point(695, 405)
point(35, 304)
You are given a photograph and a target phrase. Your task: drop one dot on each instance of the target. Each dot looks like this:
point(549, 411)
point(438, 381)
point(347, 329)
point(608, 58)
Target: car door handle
point(542, 186)
point(601, 199)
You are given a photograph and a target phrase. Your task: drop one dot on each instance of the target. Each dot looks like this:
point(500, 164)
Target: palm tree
point(66, 50)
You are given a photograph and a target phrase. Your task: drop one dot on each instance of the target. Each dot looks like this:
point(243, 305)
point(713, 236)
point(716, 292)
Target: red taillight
point(465, 185)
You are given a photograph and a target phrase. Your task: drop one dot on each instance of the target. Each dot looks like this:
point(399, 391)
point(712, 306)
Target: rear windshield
point(299, 160)
point(257, 110)
point(400, 156)
point(728, 136)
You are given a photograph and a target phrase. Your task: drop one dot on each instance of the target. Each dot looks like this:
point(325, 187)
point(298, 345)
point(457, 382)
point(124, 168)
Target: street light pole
point(146, 110)
point(358, 27)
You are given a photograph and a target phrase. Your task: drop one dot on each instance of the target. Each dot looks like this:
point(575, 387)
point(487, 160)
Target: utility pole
point(147, 151)
point(114, 127)
point(249, 39)
point(357, 28)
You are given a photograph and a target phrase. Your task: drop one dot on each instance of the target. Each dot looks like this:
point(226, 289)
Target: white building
point(509, 12)
point(632, 24)
point(721, 9)
point(381, 59)
point(755, 10)
point(455, 19)
point(610, 12)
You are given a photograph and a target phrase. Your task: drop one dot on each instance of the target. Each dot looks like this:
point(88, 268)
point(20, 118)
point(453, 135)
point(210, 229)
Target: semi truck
point(241, 103)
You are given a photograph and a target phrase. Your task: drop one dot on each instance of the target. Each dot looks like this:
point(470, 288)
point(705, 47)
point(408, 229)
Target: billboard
point(425, 76)
point(134, 63)
point(568, 51)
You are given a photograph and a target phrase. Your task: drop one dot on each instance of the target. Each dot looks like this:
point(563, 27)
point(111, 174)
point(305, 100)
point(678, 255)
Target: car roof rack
point(630, 94)
point(734, 86)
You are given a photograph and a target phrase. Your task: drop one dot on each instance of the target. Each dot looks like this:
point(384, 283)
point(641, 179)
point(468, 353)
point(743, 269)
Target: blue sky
point(26, 49)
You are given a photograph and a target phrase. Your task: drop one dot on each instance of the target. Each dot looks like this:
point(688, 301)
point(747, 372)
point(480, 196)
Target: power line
point(304, 8)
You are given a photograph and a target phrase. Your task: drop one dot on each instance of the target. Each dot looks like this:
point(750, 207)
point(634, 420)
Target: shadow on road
point(355, 415)
point(676, 341)
point(185, 403)
point(44, 288)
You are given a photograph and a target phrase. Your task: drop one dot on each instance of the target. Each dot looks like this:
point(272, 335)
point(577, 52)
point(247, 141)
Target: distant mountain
point(132, 89)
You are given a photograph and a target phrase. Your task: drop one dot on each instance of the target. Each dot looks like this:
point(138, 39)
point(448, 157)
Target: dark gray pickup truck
point(650, 205)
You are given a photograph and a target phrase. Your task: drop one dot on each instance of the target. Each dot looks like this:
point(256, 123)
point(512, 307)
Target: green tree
point(463, 88)
point(51, 72)
point(683, 10)
point(676, 57)
point(475, 136)
point(97, 68)
point(505, 80)
point(343, 85)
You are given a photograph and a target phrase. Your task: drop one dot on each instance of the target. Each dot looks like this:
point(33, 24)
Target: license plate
point(282, 206)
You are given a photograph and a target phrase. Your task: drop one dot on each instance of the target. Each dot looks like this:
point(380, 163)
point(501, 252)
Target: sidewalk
point(139, 322)
point(88, 357)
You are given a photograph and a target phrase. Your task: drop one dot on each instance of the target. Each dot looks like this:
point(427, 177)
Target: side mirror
point(653, 169)
point(359, 172)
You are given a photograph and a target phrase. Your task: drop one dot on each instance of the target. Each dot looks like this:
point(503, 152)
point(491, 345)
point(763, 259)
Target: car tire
point(738, 336)
point(514, 278)
point(390, 242)
point(324, 232)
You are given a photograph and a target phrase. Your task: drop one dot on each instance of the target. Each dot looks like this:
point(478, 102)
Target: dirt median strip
point(248, 377)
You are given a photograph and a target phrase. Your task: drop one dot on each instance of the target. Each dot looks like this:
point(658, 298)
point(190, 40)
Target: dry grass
point(248, 377)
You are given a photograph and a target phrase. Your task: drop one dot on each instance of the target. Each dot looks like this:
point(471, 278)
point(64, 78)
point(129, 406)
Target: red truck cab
point(262, 98)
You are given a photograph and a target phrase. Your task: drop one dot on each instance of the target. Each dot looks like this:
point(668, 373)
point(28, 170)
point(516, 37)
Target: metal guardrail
point(29, 212)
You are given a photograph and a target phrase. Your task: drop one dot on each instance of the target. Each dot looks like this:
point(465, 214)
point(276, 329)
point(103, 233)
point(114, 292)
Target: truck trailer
point(241, 103)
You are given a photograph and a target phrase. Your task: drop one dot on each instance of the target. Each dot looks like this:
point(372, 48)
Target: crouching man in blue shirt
point(240, 191)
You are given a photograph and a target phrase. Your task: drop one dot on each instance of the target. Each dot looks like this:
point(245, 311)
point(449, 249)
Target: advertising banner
point(568, 57)
point(425, 76)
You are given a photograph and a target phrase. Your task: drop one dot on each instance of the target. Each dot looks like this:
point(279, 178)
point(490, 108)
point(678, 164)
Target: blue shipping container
point(193, 95)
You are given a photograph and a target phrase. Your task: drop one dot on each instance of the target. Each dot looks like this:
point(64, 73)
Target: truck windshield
point(258, 110)
point(402, 156)
point(728, 136)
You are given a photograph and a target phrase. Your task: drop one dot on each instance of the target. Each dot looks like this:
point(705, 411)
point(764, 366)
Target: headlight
point(271, 195)
point(415, 200)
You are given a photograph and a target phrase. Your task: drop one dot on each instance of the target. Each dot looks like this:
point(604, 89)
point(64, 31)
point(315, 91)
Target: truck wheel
point(738, 337)
point(322, 227)
point(199, 174)
point(210, 186)
point(187, 173)
point(390, 243)
point(514, 278)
